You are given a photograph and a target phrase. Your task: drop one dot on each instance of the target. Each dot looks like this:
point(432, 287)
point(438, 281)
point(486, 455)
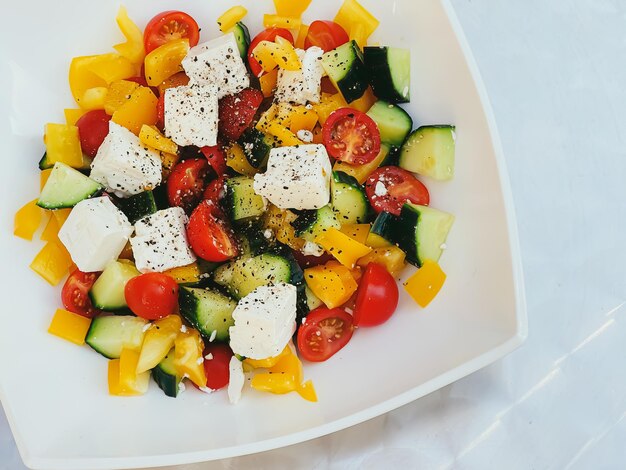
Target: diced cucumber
point(137, 206)
point(252, 240)
point(107, 293)
point(109, 335)
point(242, 36)
point(390, 72)
point(45, 163)
point(208, 310)
point(240, 200)
point(346, 70)
point(429, 151)
point(392, 158)
point(256, 147)
point(66, 187)
point(166, 377)
point(312, 300)
point(384, 226)
point(393, 122)
point(312, 223)
point(348, 199)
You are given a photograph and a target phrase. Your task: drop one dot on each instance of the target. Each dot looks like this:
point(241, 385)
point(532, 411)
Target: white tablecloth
point(556, 76)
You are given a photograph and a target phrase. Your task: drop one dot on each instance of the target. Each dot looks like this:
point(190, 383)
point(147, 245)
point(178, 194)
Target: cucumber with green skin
point(346, 70)
point(108, 335)
point(348, 199)
point(389, 69)
point(66, 187)
point(107, 293)
point(429, 151)
point(208, 311)
point(312, 223)
point(393, 122)
point(242, 37)
point(166, 377)
point(241, 201)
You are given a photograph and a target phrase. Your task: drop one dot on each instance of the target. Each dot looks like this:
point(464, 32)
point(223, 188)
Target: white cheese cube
point(302, 86)
point(296, 177)
point(217, 62)
point(191, 115)
point(160, 241)
point(236, 379)
point(95, 233)
point(124, 165)
point(265, 320)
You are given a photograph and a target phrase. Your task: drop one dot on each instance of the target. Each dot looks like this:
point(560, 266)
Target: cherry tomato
point(186, 183)
point(216, 159)
point(215, 191)
point(217, 368)
point(389, 187)
point(209, 236)
point(237, 111)
point(74, 294)
point(170, 25)
point(267, 35)
point(161, 112)
point(351, 136)
point(141, 81)
point(377, 296)
point(93, 127)
point(326, 35)
point(307, 261)
point(152, 295)
point(324, 332)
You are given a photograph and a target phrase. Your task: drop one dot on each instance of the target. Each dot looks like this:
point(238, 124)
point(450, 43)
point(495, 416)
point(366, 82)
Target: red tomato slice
point(161, 113)
point(74, 294)
point(93, 127)
point(216, 158)
point(323, 333)
point(389, 187)
point(217, 367)
point(351, 136)
point(237, 111)
point(377, 296)
point(170, 25)
point(267, 35)
point(186, 183)
point(152, 295)
point(215, 191)
point(209, 236)
point(326, 35)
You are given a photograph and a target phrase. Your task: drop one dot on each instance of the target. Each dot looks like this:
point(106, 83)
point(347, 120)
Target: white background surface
point(556, 76)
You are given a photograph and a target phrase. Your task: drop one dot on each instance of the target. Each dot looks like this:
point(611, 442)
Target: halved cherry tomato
point(326, 35)
point(161, 112)
point(209, 236)
point(217, 367)
point(216, 158)
point(351, 136)
point(323, 333)
point(377, 296)
point(186, 183)
point(74, 294)
point(267, 35)
point(389, 187)
point(307, 261)
point(215, 192)
point(237, 111)
point(93, 127)
point(170, 25)
point(152, 295)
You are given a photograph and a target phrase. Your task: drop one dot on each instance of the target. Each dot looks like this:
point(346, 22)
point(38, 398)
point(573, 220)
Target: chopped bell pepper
point(69, 326)
point(333, 284)
point(189, 274)
point(61, 215)
point(283, 135)
point(288, 60)
point(27, 220)
point(426, 283)
point(278, 21)
point(302, 33)
point(113, 375)
point(279, 222)
point(345, 249)
point(116, 67)
point(307, 391)
point(268, 82)
point(63, 144)
point(231, 17)
point(361, 172)
point(352, 14)
point(140, 109)
point(358, 33)
point(376, 241)
point(391, 257)
point(277, 54)
point(302, 119)
point(132, 49)
point(188, 357)
point(268, 362)
point(236, 159)
point(158, 341)
point(357, 232)
point(94, 98)
point(168, 161)
point(265, 53)
point(52, 263)
point(119, 93)
point(152, 137)
point(365, 102)
point(291, 7)
point(165, 61)
point(122, 378)
point(43, 177)
point(82, 78)
point(73, 115)
point(328, 104)
point(51, 232)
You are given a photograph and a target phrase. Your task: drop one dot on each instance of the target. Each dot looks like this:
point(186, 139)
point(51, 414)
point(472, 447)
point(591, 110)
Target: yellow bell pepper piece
point(140, 109)
point(426, 283)
point(376, 241)
point(279, 222)
point(158, 341)
point(119, 93)
point(302, 119)
point(115, 67)
point(307, 391)
point(391, 257)
point(168, 161)
point(361, 172)
point(94, 98)
point(352, 13)
point(231, 17)
point(284, 137)
point(165, 61)
point(291, 7)
point(152, 137)
point(265, 53)
point(61, 215)
point(132, 49)
point(278, 21)
point(131, 381)
point(188, 357)
point(69, 326)
point(185, 274)
point(328, 104)
point(333, 284)
point(113, 377)
point(63, 144)
point(82, 78)
point(116, 368)
point(268, 116)
point(302, 33)
point(236, 159)
point(52, 263)
point(280, 53)
point(345, 249)
point(43, 177)
point(51, 232)
point(365, 102)
point(268, 362)
point(268, 83)
point(288, 58)
point(73, 115)
point(358, 232)
point(27, 220)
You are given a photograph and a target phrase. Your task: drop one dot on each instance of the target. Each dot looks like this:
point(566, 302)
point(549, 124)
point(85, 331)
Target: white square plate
point(55, 394)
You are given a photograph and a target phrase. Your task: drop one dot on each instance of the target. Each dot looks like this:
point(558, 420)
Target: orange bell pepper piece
point(302, 33)
point(391, 257)
point(140, 109)
point(152, 137)
point(345, 249)
point(69, 326)
point(333, 284)
point(269, 362)
point(268, 82)
point(119, 93)
point(27, 220)
point(426, 283)
point(358, 232)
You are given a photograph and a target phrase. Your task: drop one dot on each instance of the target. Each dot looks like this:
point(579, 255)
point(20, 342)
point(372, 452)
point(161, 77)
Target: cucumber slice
point(384, 226)
point(109, 335)
point(240, 200)
point(208, 310)
point(252, 240)
point(46, 163)
point(256, 147)
point(348, 199)
point(393, 122)
point(390, 72)
point(429, 151)
point(107, 293)
point(66, 187)
point(137, 206)
point(166, 377)
point(346, 70)
point(312, 223)
point(242, 37)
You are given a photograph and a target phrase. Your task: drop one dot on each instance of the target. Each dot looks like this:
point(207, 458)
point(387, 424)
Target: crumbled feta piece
point(268, 233)
point(312, 249)
point(200, 360)
point(160, 241)
point(183, 328)
point(181, 387)
point(191, 115)
point(217, 62)
point(236, 380)
point(265, 320)
point(380, 189)
point(95, 233)
point(296, 177)
point(304, 85)
point(208, 357)
point(305, 136)
point(213, 335)
point(206, 390)
point(124, 165)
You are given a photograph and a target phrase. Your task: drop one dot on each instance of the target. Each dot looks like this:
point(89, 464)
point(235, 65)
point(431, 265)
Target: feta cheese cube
point(296, 177)
point(191, 115)
point(265, 320)
point(236, 379)
point(95, 233)
point(217, 62)
point(160, 241)
point(124, 165)
point(302, 86)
